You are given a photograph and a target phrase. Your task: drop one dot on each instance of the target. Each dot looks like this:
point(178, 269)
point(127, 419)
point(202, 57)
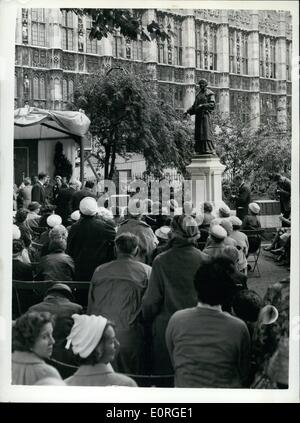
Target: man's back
point(90, 244)
point(117, 288)
point(203, 353)
point(79, 195)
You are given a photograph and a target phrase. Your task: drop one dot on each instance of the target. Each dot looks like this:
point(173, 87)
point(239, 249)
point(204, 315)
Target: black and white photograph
point(149, 185)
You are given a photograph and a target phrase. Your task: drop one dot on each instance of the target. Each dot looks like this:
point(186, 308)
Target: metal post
point(81, 160)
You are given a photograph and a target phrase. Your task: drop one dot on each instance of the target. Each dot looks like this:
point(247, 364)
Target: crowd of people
point(167, 293)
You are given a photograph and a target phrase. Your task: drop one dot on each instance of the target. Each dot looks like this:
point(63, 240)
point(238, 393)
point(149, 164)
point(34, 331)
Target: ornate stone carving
point(80, 62)
point(25, 56)
point(239, 18)
point(92, 64)
point(165, 73)
point(179, 75)
point(208, 14)
point(268, 22)
point(68, 61)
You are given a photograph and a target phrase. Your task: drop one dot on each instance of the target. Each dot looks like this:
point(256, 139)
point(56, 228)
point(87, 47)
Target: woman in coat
point(32, 344)
point(93, 340)
point(171, 287)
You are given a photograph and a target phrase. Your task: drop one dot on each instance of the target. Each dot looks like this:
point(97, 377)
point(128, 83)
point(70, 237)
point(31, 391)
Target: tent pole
point(81, 160)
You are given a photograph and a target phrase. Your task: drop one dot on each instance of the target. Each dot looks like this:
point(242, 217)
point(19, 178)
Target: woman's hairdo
point(127, 242)
point(214, 281)
point(27, 329)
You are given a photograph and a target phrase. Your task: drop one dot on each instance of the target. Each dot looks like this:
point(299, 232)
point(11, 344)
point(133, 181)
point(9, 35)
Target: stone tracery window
point(239, 104)
point(238, 52)
point(267, 57)
point(67, 30)
point(39, 87)
point(91, 45)
point(206, 46)
point(38, 27)
point(288, 60)
point(177, 60)
point(67, 90)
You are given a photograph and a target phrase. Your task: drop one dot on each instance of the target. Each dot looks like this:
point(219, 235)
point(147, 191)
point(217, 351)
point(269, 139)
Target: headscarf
point(85, 334)
point(185, 227)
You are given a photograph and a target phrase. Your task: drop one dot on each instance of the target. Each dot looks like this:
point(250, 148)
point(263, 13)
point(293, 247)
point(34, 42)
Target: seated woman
point(32, 343)
point(56, 266)
point(93, 339)
point(202, 352)
point(21, 271)
point(250, 223)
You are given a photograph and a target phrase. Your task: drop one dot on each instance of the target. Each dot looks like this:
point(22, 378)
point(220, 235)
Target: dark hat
point(60, 287)
point(34, 206)
point(203, 80)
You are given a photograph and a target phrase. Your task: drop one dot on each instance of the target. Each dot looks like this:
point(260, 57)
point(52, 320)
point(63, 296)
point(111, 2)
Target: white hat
point(216, 221)
point(163, 232)
point(16, 232)
point(75, 215)
point(227, 225)
point(53, 220)
point(107, 214)
point(224, 211)
point(85, 334)
point(88, 206)
point(254, 207)
point(235, 221)
point(136, 207)
point(218, 232)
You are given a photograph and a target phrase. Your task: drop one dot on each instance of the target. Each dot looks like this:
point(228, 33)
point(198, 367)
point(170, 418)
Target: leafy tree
point(128, 116)
point(128, 21)
point(254, 154)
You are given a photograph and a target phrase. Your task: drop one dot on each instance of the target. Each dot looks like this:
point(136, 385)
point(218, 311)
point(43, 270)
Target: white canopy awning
point(34, 123)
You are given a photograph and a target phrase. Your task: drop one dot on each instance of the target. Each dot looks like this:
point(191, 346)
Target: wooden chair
point(254, 239)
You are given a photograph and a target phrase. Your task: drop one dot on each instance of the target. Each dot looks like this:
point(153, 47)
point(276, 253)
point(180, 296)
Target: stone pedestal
point(206, 180)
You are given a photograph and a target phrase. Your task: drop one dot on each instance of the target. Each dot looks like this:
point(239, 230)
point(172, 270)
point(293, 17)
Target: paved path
point(270, 273)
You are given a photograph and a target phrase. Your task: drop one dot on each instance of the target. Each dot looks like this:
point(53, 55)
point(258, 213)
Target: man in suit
point(38, 190)
point(243, 197)
point(284, 192)
point(87, 191)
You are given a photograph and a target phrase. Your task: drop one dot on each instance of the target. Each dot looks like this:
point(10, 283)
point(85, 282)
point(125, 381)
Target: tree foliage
point(254, 154)
point(129, 116)
point(128, 21)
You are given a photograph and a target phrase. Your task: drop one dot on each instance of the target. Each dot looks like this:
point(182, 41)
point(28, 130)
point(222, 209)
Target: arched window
point(38, 27)
point(71, 90)
point(267, 57)
point(206, 46)
point(65, 90)
point(67, 30)
point(42, 88)
point(57, 89)
point(238, 52)
point(91, 46)
point(178, 43)
point(35, 87)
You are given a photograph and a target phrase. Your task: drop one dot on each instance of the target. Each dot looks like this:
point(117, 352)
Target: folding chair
point(254, 239)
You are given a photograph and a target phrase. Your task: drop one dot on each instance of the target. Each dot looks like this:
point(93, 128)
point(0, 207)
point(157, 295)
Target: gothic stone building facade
point(245, 55)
